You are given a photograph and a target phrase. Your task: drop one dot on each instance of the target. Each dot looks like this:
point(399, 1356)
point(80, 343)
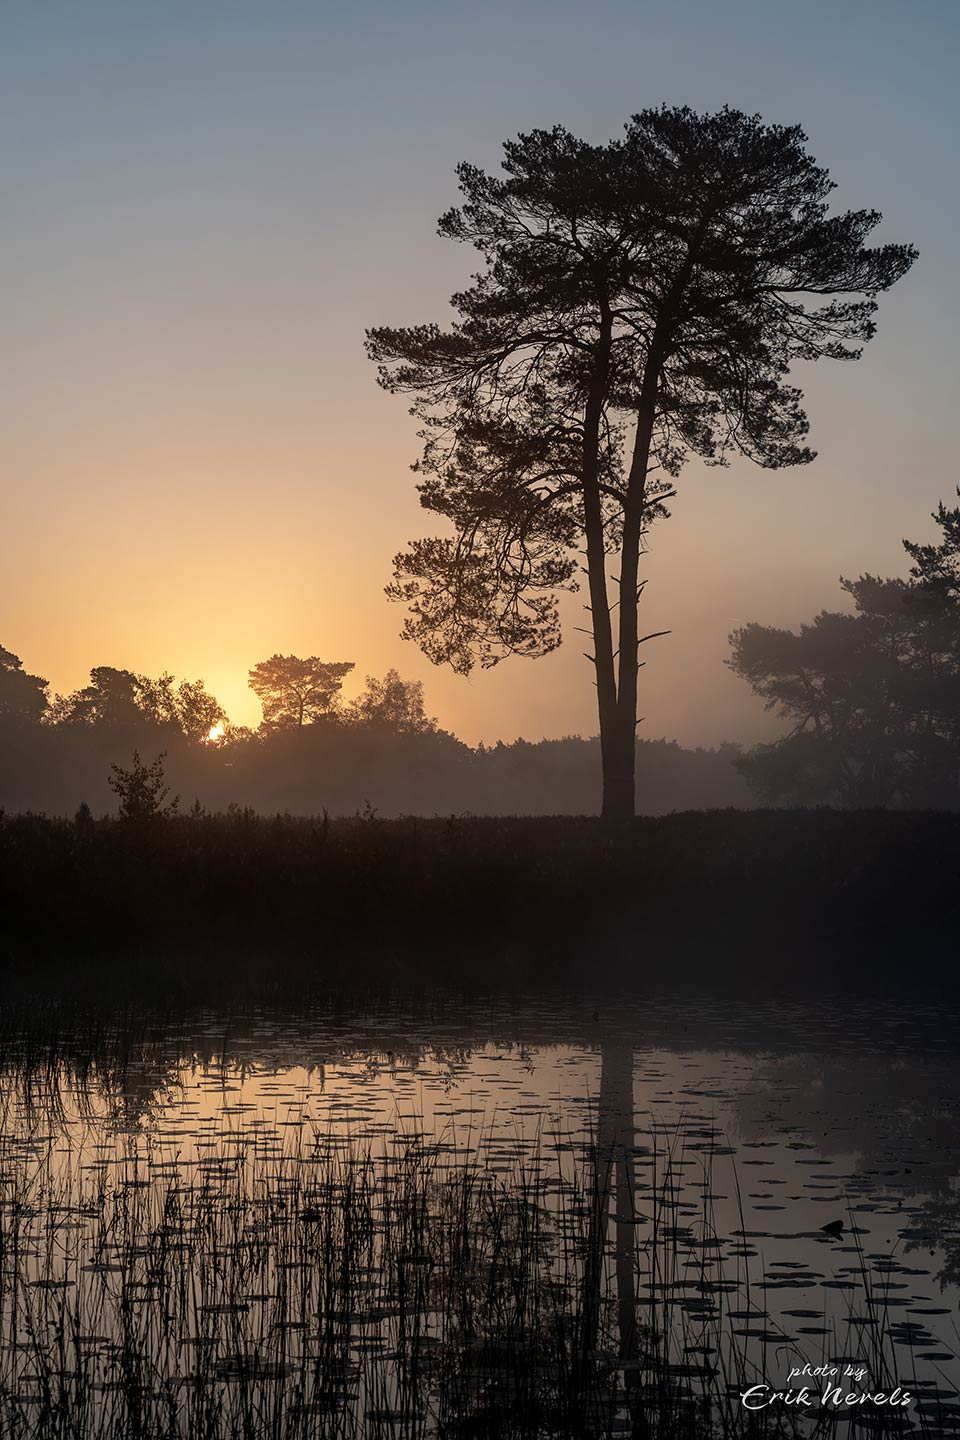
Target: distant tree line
point(292, 692)
point(871, 699)
point(378, 753)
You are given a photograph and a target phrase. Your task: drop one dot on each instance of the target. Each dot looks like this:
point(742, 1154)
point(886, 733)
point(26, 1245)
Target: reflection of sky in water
point(856, 1121)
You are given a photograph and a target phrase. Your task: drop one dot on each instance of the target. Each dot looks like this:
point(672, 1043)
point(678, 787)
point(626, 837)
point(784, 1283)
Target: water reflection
point(891, 1122)
point(650, 1188)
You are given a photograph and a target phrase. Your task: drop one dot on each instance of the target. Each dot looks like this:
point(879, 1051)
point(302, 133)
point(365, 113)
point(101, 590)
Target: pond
point(520, 1218)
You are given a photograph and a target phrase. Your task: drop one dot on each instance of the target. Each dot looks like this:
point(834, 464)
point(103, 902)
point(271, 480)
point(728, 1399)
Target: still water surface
point(741, 1132)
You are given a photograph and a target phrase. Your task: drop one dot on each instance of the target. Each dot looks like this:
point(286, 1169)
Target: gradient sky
point(205, 203)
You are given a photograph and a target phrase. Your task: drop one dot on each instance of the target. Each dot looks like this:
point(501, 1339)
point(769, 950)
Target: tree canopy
point(113, 697)
point(295, 691)
point(872, 698)
point(22, 696)
point(638, 302)
point(392, 704)
point(122, 698)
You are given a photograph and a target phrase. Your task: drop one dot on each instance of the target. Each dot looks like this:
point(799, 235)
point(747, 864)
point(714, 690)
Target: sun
point(215, 733)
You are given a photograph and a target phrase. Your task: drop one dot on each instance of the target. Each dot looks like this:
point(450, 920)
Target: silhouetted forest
point(345, 769)
point(381, 753)
point(872, 698)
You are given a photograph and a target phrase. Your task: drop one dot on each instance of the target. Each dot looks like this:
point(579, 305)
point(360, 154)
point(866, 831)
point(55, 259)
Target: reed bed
point(209, 905)
point(314, 1285)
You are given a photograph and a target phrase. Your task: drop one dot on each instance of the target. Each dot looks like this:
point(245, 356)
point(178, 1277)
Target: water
point(217, 1225)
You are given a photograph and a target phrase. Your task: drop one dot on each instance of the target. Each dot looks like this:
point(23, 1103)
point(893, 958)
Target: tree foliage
point(113, 697)
point(189, 706)
point(392, 704)
point(937, 567)
point(121, 698)
point(22, 696)
point(296, 692)
point(638, 302)
point(142, 791)
point(872, 698)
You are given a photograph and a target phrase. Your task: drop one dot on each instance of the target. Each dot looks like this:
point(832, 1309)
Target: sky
point(206, 202)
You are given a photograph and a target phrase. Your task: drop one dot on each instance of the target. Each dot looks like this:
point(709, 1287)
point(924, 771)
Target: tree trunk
point(618, 761)
point(603, 657)
point(620, 755)
point(619, 770)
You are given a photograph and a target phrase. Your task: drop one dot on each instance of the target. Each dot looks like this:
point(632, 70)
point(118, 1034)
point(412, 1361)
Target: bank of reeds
point(207, 906)
point(323, 1285)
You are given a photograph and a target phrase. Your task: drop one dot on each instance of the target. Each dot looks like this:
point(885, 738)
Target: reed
point(317, 1284)
point(204, 907)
